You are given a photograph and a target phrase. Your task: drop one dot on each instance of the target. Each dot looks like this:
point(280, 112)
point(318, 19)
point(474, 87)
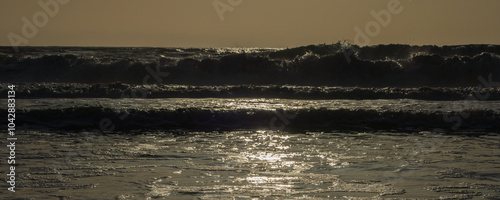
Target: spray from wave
point(314, 65)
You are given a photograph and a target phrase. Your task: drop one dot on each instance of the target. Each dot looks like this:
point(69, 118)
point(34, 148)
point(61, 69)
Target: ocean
point(312, 122)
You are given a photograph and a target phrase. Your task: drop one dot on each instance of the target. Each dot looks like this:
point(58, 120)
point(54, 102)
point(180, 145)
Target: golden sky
point(252, 23)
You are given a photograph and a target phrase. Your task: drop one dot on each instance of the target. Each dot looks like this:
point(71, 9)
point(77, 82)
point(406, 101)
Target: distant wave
point(121, 90)
point(372, 66)
point(194, 119)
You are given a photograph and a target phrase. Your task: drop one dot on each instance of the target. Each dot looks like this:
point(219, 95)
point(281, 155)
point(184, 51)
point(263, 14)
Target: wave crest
point(211, 120)
point(379, 66)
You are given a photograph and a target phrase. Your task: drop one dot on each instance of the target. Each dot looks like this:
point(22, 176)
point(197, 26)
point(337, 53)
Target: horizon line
point(200, 47)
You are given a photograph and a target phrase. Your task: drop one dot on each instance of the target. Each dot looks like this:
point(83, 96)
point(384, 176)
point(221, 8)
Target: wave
point(194, 119)
point(331, 65)
point(122, 90)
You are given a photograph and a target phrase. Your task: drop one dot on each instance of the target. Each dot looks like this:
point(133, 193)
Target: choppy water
point(221, 104)
point(387, 122)
point(319, 65)
point(258, 165)
point(214, 114)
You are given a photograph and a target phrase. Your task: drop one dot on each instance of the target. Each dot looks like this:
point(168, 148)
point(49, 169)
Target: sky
point(247, 23)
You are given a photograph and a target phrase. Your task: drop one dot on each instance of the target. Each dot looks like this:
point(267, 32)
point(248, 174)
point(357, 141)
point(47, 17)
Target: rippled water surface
point(259, 104)
point(257, 165)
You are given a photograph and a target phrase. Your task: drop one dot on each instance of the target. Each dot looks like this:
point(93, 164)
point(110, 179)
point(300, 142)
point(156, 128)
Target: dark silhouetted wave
point(194, 119)
point(121, 90)
point(316, 65)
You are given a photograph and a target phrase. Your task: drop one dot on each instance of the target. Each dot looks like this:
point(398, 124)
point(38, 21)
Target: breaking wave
point(331, 65)
point(122, 90)
point(194, 119)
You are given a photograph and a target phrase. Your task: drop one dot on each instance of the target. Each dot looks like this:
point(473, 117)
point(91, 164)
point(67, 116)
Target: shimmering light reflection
point(243, 165)
point(258, 104)
point(275, 165)
point(268, 150)
point(265, 179)
point(266, 156)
